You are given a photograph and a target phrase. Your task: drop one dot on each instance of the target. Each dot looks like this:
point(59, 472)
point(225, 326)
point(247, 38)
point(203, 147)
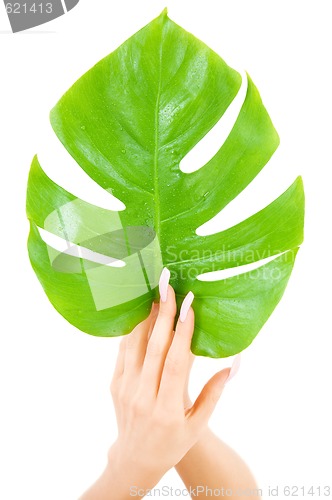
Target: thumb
point(205, 404)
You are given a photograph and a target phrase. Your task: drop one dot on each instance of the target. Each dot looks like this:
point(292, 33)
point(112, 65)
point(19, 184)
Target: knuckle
point(154, 348)
point(138, 407)
point(122, 396)
point(132, 341)
point(172, 366)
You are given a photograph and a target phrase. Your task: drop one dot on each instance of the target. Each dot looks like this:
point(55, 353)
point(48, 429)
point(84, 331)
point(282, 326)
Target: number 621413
point(23, 8)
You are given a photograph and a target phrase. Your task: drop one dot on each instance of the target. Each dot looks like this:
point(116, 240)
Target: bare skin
point(158, 426)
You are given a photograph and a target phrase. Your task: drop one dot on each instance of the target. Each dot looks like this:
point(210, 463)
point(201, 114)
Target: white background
point(57, 420)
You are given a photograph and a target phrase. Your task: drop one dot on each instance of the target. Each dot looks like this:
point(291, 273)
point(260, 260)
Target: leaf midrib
point(156, 148)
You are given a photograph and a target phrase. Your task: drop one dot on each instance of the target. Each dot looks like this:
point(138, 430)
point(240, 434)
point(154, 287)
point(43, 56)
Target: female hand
point(154, 429)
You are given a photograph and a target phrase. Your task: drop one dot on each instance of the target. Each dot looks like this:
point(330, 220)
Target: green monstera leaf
point(128, 123)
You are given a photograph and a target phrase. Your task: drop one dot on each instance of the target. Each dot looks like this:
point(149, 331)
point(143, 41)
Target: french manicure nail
point(163, 284)
point(187, 301)
point(235, 368)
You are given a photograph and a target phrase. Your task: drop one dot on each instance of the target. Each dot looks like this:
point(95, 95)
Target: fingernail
point(187, 301)
point(235, 368)
point(163, 284)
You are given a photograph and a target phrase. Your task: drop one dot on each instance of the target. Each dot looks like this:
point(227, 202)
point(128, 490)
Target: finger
point(177, 362)
point(136, 346)
point(160, 339)
point(204, 405)
point(154, 315)
point(119, 365)
point(186, 397)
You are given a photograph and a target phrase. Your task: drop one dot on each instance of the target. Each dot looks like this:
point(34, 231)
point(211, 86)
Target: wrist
point(127, 474)
point(203, 442)
point(116, 482)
